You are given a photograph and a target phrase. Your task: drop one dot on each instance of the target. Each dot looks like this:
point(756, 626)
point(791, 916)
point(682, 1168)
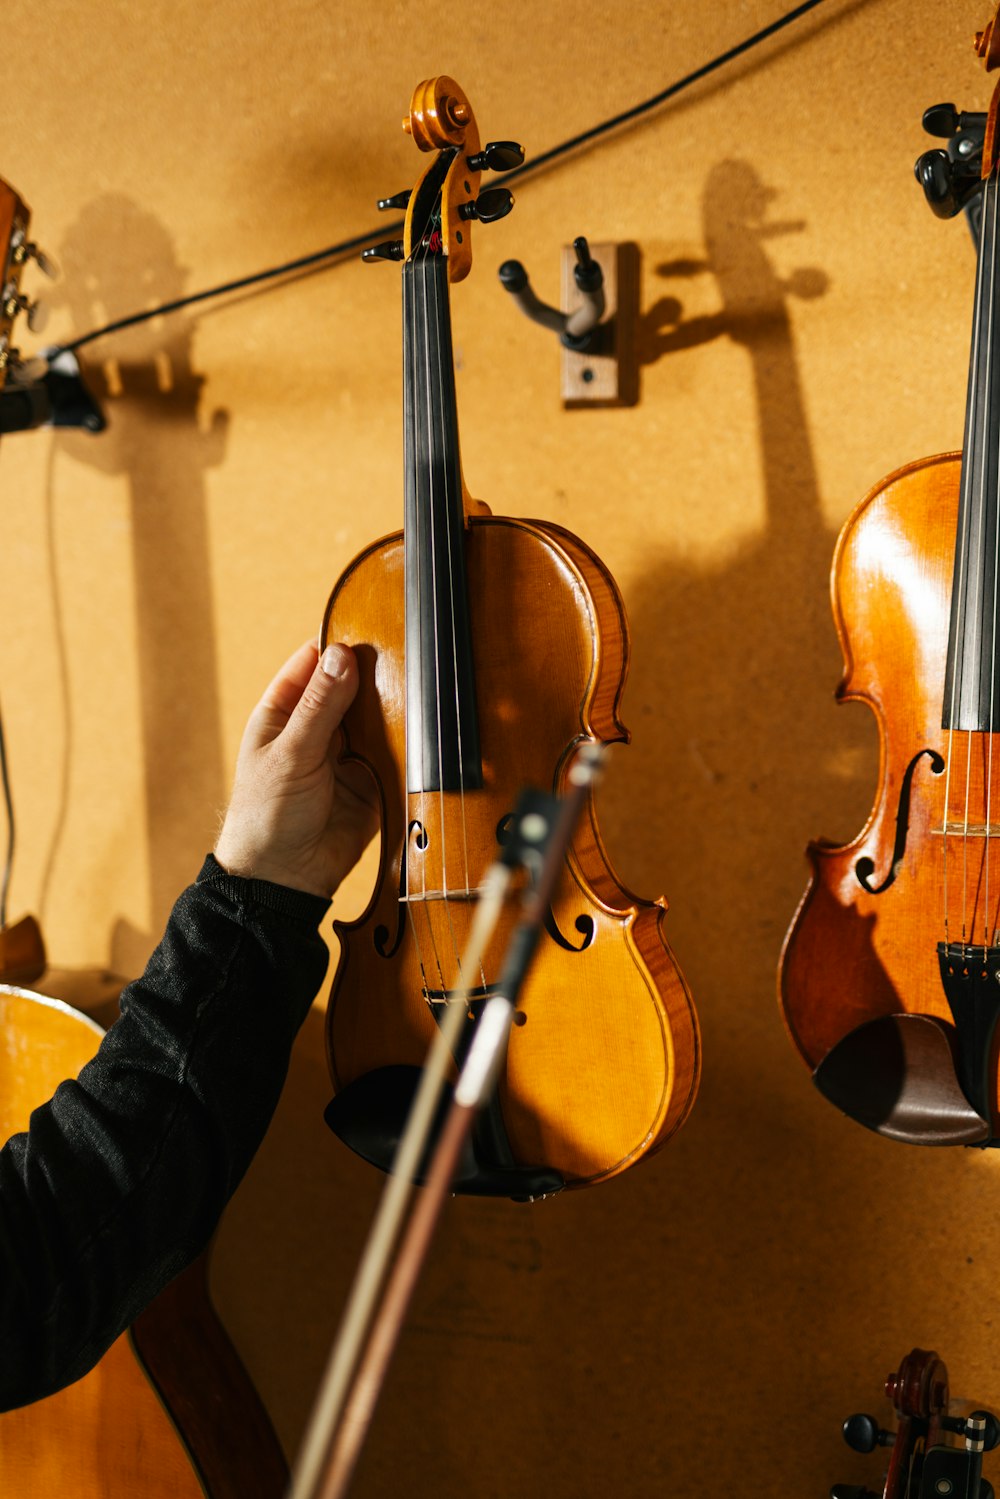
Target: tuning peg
point(940, 120)
point(981, 1426)
point(389, 249)
point(23, 249)
point(398, 200)
point(864, 1434)
point(947, 184)
point(38, 316)
point(495, 203)
point(497, 156)
point(37, 311)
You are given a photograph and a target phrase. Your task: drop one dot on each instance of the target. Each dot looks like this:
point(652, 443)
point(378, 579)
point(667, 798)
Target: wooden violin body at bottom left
point(169, 1412)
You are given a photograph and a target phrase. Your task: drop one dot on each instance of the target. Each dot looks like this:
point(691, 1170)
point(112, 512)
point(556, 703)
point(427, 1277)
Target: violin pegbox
point(441, 120)
point(16, 249)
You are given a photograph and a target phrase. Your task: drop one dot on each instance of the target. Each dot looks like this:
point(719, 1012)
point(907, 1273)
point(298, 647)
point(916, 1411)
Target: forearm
point(121, 1178)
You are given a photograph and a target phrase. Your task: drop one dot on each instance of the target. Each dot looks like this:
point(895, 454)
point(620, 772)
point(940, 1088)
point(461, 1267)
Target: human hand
point(294, 817)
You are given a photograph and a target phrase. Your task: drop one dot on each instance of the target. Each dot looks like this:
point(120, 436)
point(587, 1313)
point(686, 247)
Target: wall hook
point(590, 324)
point(576, 328)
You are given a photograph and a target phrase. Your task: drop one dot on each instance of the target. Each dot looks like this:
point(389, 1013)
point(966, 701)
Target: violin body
point(488, 650)
point(168, 1412)
point(890, 975)
point(896, 924)
point(603, 1066)
point(851, 954)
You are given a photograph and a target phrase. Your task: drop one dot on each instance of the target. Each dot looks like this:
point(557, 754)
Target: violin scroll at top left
point(489, 647)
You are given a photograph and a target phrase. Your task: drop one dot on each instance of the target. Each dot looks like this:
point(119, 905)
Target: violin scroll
point(923, 1464)
point(988, 43)
point(441, 120)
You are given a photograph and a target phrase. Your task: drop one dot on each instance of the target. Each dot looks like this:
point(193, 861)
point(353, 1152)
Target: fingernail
point(336, 661)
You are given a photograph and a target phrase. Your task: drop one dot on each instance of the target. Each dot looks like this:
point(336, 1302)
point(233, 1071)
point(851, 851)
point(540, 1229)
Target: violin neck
point(972, 679)
point(442, 735)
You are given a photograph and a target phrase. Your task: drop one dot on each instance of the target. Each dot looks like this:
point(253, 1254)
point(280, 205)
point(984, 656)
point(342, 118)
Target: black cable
point(9, 804)
point(217, 291)
point(387, 230)
point(667, 93)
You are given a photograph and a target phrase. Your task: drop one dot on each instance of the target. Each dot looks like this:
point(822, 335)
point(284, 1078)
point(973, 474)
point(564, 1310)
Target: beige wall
point(705, 1322)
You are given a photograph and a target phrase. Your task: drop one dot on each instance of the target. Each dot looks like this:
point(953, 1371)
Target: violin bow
point(542, 831)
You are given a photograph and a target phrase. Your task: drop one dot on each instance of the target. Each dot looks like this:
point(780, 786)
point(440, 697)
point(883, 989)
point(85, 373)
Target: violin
point(890, 973)
point(924, 1461)
point(489, 649)
point(156, 1415)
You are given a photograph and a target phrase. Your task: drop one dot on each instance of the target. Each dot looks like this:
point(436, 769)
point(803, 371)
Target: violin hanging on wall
point(890, 974)
point(489, 648)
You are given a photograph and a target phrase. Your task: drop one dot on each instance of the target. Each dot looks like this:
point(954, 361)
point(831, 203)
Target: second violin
point(489, 648)
point(890, 978)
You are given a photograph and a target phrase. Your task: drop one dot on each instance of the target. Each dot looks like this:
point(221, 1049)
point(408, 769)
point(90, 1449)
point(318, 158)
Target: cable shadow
point(161, 441)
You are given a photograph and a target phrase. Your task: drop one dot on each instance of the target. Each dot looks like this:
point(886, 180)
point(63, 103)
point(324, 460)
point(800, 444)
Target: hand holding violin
point(293, 819)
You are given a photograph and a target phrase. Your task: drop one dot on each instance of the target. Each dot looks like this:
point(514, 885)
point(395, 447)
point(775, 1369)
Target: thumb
point(325, 699)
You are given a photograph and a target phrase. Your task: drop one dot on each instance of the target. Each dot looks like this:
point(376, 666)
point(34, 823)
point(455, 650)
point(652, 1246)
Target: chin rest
point(897, 1075)
point(370, 1114)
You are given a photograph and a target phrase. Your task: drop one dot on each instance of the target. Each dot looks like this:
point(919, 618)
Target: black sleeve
point(122, 1176)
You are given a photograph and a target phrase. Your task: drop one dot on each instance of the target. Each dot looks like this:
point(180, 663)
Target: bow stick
point(543, 829)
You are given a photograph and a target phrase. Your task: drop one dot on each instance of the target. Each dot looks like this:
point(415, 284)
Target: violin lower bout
point(603, 1065)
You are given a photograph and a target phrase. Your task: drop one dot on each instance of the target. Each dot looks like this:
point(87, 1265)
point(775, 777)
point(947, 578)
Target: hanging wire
point(386, 231)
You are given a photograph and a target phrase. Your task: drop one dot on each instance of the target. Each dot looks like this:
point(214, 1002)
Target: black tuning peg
point(495, 203)
point(989, 1427)
point(864, 1434)
point(389, 249)
point(948, 184)
point(398, 200)
point(497, 156)
point(945, 120)
point(941, 120)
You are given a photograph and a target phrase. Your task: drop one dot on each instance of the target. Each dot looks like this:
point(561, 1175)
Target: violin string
point(410, 297)
point(993, 642)
point(434, 323)
point(422, 262)
point(982, 517)
point(456, 508)
point(457, 502)
point(968, 469)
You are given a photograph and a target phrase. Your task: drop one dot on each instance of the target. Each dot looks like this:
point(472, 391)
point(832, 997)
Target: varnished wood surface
point(851, 956)
point(109, 1435)
point(605, 1065)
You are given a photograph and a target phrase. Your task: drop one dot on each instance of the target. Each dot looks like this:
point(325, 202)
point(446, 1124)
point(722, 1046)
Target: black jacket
point(123, 1175)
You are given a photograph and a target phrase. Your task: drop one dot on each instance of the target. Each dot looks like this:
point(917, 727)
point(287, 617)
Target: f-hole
point(583, 924)
point(381, 933)
point(865, 868)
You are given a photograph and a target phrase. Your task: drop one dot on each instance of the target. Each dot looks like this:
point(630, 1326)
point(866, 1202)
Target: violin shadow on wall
point(767, 1195)
point(161, 442)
